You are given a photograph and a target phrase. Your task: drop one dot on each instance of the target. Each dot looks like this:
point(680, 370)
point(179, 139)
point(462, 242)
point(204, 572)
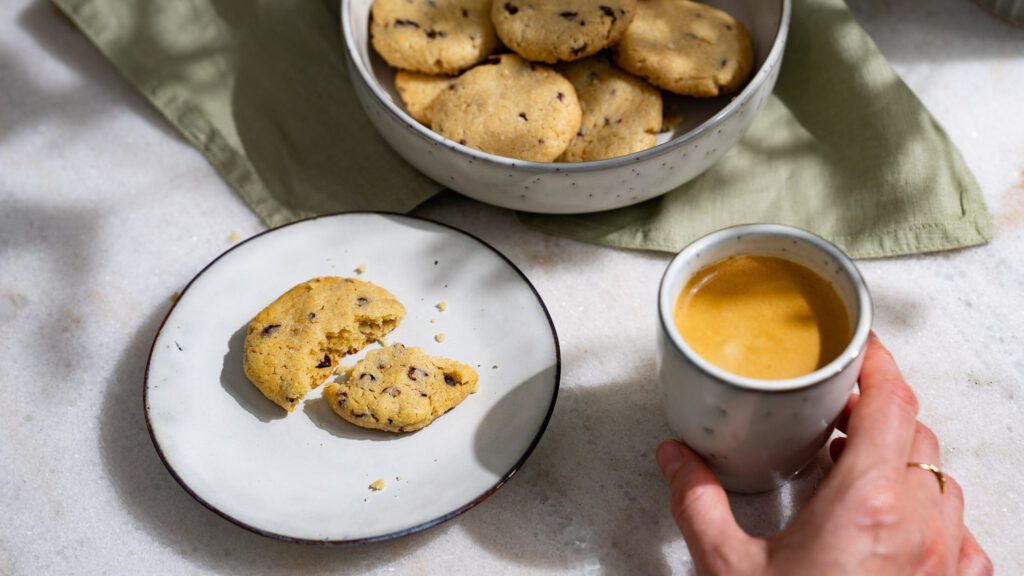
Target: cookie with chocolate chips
point(687, 48)
point(432, 36)
point(294, 344)
point(621, 113)
point(399, 389)
point(418, 92)
point(561, 30)
point(509, 107)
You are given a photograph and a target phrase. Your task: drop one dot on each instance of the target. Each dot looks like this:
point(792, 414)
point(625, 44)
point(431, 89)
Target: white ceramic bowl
point(711, 127)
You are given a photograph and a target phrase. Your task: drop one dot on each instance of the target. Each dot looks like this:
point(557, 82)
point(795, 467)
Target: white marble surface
point(105, 212)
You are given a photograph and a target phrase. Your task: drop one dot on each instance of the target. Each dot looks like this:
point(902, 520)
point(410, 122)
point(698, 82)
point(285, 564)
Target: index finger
point(881, 426)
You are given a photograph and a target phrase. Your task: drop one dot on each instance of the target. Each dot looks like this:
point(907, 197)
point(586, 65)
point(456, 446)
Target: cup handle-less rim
point(666, 306)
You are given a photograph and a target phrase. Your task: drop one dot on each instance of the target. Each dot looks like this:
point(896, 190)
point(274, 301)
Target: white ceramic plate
point(306, 477)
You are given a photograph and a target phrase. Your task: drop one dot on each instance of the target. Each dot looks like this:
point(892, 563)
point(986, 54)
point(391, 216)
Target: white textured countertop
point(105, 212)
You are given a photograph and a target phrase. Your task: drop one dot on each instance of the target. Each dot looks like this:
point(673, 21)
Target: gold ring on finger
point(934, 470)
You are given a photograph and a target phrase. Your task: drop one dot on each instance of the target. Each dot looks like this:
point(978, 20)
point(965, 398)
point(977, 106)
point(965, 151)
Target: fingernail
point(670, 457)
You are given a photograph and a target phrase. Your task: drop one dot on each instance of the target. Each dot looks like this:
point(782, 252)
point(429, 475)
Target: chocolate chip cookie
point(561, 30)
point(399, 389)
point(294, 344)
point(432, 36)
point(510, 107)
point(621, 113)
point(687, 48)
point(418, 92)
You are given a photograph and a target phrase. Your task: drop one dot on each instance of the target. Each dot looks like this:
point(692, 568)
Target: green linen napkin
point(843, 148)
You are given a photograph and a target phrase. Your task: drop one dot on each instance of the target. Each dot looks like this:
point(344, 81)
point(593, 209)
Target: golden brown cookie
point(418, 92)
point(621, 113)
point(561, 30)
point(510, 107)
point(399, 389)
point(294, 344)
point(432, 36)
point(687, 48)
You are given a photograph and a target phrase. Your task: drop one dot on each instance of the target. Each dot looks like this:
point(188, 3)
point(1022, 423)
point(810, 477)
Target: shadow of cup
point(512, 428)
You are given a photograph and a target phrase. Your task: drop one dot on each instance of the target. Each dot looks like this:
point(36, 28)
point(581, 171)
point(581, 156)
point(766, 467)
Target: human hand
point(872, 515)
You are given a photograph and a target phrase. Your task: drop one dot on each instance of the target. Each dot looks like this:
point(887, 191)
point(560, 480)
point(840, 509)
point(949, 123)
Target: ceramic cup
point(756, 434)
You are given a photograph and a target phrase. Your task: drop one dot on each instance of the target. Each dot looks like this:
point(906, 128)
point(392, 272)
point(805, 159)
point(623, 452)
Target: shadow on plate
point(238, 386)
point(498, 443)
point(325, 419)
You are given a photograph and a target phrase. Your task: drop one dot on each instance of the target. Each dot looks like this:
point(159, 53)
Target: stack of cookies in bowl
point(556, 80)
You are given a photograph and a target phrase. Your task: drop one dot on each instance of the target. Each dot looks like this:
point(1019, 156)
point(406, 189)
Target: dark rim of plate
point(399, 533)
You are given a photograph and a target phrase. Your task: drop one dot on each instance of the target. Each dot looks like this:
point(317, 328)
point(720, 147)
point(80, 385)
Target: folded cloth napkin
point(260, 87)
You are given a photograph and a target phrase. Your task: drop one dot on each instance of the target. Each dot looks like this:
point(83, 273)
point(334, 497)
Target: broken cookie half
point(294, 344)
point(399, 389)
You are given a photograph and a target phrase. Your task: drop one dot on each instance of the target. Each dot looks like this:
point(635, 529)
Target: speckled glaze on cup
point(711, 127)
point(756, 434)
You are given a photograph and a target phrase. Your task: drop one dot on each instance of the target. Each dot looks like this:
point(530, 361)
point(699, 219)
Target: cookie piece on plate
point(687, 48)
point(432, 36)
point(294, 344)
point(561, 30)
point(621, 113)
point(510, 107)
point(418, 92)
point(399, 389)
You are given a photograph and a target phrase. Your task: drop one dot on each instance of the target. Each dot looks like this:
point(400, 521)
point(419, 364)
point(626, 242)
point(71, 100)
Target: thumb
point(701, 510)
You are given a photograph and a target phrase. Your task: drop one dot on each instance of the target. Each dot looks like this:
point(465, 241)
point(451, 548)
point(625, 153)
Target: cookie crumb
point(234, 237)
point(433, 321)
point(383, 341)
point(397, 478)
point(377, 485)
point(496, 366)
point(361, 269)
point(442, 306)
point(439, 337)
point(174, 297)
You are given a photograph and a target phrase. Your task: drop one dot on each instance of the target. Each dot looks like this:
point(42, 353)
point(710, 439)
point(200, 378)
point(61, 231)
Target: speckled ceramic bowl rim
point(666, 305)
point(398, 533)
point(773, 58)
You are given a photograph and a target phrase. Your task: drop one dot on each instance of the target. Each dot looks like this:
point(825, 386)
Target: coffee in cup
point(762, 317)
